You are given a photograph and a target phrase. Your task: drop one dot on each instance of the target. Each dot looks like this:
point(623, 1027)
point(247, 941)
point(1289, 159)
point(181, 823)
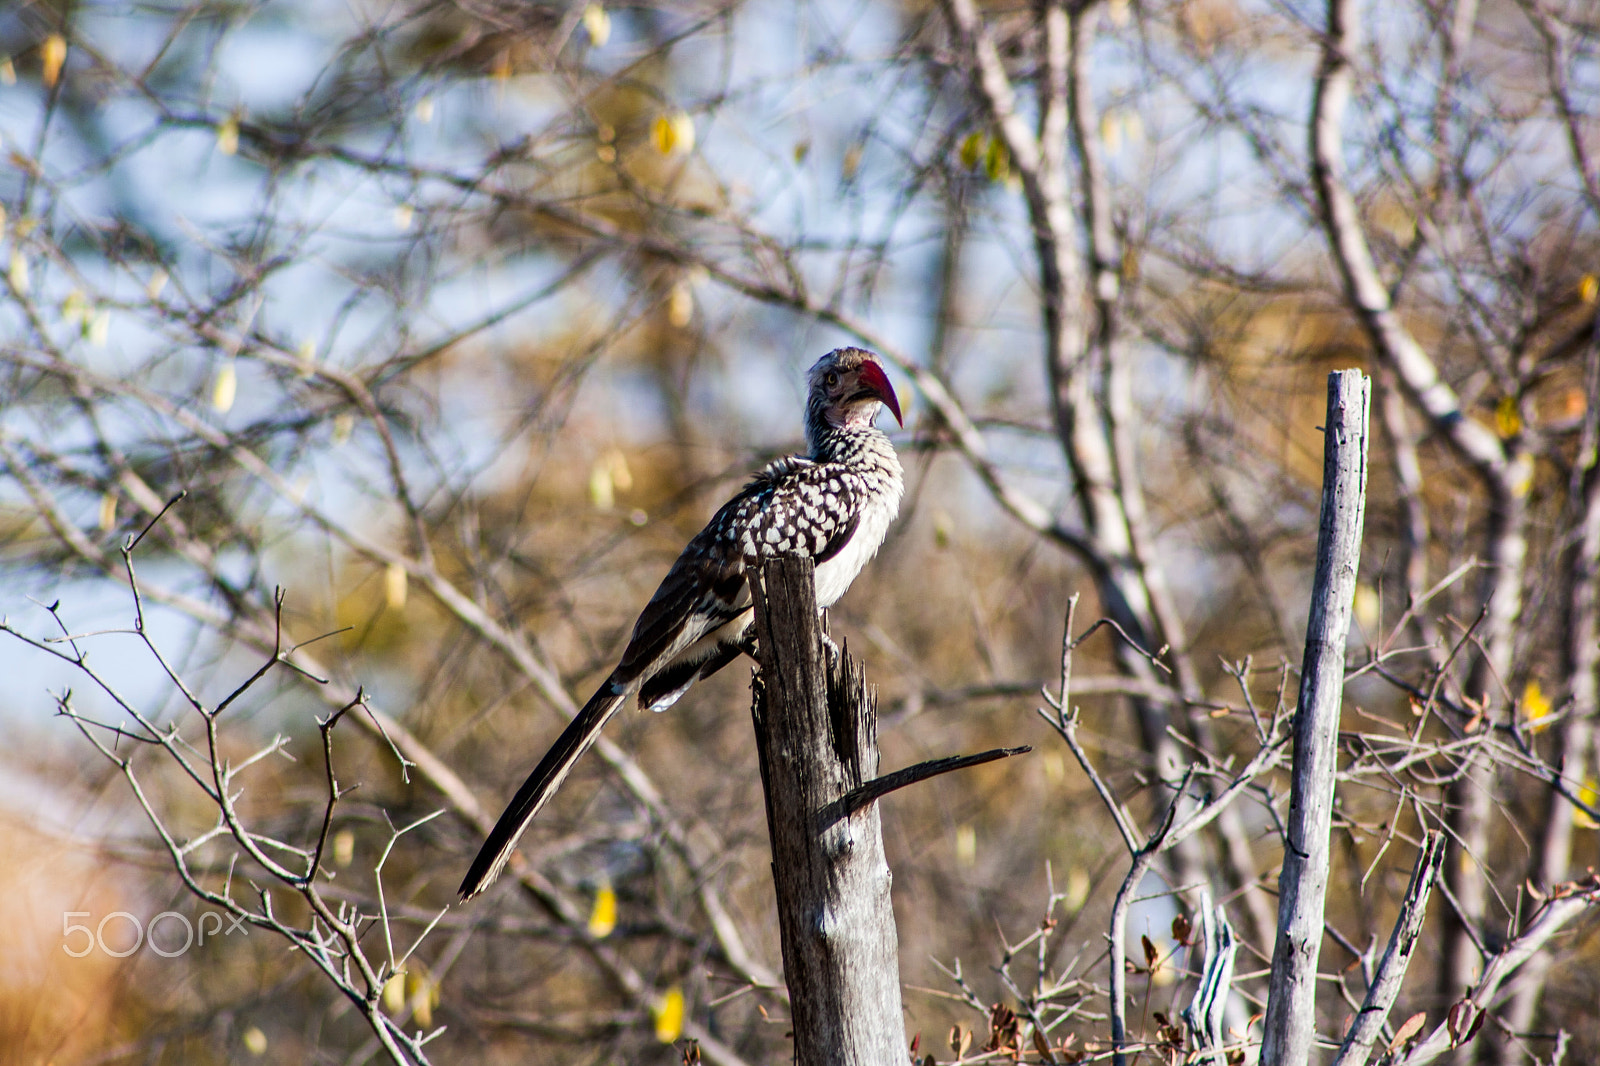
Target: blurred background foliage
point(497, 300)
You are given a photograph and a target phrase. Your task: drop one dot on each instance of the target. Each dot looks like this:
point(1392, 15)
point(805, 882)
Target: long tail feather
point(574, 740)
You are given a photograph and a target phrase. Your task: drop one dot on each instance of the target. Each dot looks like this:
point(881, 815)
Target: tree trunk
point(817, 736)
point(1291, 998)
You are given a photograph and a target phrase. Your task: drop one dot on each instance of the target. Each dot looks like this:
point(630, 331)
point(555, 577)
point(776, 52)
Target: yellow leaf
point(1589, 794)
point(8, 72)
point(1111, 132)
point(1367, 607)
point(403, 216)
point(1507, 419)
point(157, 282)
point(108, 512)
point(255, 1041)
point(996, 161)
point(423, 994)
point(621, 474)
point(394, 993)
point(602, 489)
point(1077, 893)
point(344, 847)
point(97, 327)
point(1536, 705)
point(343, 425)
point(75, 306)
point(598, 25)
point(1118, 11)
point(673, 134)
point(1589, 288)
point(603, 918)
point(1132, 125)
point(307, 355)
point(52, 56)
point(225, 388)
point(228, 135)
point(966, 845)
point(971, 149)
point(669, 1015)
point(1055, 767)
point(851, 162)
point(394, 586)
point(18, 272)
point(680, 305)
point(424, 110)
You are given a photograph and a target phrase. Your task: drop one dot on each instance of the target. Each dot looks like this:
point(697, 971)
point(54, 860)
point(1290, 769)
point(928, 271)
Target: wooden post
point(1302, 886)
point(817, 736)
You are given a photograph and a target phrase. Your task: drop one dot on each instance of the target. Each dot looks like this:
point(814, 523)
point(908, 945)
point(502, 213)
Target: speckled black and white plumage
point(834, 505)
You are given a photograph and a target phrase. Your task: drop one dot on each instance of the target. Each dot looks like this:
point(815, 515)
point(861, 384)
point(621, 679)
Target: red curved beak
point(876, 381)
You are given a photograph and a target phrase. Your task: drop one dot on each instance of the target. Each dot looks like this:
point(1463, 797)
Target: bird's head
point(847, 388)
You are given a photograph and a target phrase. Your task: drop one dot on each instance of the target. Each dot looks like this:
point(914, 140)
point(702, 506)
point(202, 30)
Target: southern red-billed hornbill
point(834, 505)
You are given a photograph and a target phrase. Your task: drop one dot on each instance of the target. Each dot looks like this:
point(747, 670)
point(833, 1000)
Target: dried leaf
point(1182, 929)
point(1152, 954)
point(1463, 1021)
point(1411, 1027)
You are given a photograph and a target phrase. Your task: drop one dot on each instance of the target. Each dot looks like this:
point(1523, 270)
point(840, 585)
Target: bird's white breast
point(835, 575)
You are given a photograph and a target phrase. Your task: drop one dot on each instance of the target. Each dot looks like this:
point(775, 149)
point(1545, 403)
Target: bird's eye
point(831, 380)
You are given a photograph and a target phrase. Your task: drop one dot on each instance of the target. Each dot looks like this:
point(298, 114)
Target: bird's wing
point(794, 506)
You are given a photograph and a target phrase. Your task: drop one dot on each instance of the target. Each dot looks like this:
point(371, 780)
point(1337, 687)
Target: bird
point(834, 504)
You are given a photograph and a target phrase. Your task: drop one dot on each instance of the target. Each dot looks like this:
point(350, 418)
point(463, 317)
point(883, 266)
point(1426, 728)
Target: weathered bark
point(816, 733)
point(1504, 470)
point(1302, 887)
